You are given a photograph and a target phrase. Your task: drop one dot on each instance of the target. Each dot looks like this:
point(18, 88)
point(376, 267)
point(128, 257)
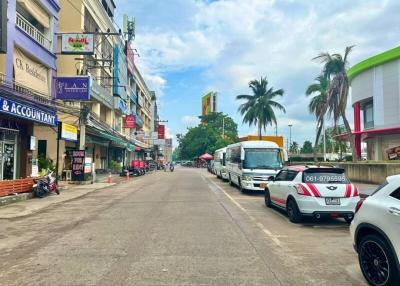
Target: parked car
point(376, 234)
point(312, 191)
point(250, 163)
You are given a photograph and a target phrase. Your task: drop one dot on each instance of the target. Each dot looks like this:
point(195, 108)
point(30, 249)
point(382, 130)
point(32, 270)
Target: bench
point(15, 186)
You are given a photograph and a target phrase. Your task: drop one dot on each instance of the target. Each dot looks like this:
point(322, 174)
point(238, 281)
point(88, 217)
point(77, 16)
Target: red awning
point(370, 133)
point(206, 156)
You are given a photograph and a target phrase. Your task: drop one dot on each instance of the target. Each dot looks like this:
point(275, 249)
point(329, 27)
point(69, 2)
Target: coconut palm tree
point(335, 69)
point(259, 107)
point(318, 105)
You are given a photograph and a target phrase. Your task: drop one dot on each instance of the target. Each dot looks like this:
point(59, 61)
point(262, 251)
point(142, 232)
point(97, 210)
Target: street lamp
point(290, 135)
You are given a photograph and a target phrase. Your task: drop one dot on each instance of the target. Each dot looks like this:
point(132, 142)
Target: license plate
point(263, 185)
point(332, 201)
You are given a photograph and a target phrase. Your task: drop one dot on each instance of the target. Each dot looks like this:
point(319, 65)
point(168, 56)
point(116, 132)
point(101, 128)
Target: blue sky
point(188, 47)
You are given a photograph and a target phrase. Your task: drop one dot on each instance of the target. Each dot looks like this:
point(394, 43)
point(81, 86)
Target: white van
point(251, 163)
point(220, 164)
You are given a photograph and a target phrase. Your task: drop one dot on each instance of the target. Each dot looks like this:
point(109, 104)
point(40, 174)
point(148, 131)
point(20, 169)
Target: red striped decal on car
point(313, 189)
point(356, 192)
point(278, 200)
point(348, 191)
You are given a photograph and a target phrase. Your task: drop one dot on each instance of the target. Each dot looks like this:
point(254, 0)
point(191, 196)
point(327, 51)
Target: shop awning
point(113, 138)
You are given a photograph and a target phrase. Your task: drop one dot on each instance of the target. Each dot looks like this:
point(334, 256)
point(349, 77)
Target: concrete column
point(357, 128)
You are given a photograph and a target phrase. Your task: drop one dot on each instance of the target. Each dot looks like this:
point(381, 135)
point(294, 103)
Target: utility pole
point(290, 135)
point(324, 139)
point(276, 129)
point(84, 116)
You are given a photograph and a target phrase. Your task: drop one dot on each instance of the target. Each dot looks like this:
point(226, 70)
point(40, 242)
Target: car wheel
point(230, 181)
point(243, 191)
point(267, 198)
point(377, 261)
point(293, 211)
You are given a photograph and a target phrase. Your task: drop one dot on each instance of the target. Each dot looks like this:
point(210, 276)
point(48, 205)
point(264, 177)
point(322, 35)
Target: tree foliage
point(207, 136)
point(307, 148)
point(259, 108)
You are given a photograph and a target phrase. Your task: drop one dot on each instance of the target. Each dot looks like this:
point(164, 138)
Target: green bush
point(115, 166)
point(45, 163)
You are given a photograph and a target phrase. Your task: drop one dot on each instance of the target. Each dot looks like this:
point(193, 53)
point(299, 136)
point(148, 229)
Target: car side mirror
point(271, 178)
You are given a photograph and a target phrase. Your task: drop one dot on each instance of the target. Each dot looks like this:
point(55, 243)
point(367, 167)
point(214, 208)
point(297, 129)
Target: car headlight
point(247, 178)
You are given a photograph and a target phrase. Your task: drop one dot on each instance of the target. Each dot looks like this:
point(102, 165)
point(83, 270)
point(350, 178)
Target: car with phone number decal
point(312, 191)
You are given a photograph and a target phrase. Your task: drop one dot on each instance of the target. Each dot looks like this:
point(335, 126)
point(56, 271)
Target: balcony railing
point(33, 31)
point(25, 91)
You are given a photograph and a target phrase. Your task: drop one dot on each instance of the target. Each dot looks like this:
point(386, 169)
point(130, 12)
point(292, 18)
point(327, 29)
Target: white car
point(376, 234)
point(312, 191)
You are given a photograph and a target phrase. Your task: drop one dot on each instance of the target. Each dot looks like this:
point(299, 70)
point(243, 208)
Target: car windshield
point(325, 176)
point(262, 159)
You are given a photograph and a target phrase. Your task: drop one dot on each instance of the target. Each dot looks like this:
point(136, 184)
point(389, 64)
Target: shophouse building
point(375, 94)
point(27, 70)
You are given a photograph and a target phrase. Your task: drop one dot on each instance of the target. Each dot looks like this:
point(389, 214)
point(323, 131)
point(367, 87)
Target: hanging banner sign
point(161, 131)
point(78, 165)
point(77, 44)
point(73, 88)
point(130, 121)
point(27, 112)
point(69, 132)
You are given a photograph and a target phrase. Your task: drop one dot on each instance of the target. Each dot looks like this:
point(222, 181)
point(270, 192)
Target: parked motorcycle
point(45, 186)
point(171, 168)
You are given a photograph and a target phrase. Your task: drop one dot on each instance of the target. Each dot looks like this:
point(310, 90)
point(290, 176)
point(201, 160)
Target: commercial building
point(27, 69)
point(375, 93)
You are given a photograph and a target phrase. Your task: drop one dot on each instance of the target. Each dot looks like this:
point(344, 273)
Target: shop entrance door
point(7, 157)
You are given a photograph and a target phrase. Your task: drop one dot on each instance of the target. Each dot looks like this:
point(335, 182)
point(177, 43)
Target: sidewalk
point(29, 207)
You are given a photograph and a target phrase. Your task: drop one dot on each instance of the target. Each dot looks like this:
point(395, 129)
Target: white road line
point(273, 237)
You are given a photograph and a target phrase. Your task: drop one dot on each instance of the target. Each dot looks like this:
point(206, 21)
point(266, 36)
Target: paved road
point(180, 228)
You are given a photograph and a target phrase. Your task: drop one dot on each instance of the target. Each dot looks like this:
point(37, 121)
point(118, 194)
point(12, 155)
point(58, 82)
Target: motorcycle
point(171, 168)
point(45, 186)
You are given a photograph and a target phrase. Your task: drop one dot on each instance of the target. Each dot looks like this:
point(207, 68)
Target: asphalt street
point(180, 228)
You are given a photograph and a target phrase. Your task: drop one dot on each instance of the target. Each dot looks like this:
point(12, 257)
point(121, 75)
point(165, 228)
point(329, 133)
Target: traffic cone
point(109, 178)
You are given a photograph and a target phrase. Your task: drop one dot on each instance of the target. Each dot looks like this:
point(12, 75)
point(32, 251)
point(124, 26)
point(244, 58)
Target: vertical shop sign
point(78, 165)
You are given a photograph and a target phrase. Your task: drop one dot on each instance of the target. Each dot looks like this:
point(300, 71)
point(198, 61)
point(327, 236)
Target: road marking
point(274, 238)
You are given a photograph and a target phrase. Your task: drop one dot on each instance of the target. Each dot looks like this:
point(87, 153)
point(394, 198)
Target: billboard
point(393, 153)
point(77, 44)
point(209, 103)
point(73, 88)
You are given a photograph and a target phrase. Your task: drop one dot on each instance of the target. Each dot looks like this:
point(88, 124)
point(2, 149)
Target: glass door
point(8, 161)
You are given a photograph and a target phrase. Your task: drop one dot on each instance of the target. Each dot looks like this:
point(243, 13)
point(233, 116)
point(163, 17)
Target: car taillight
point(359, 204)
point(351, 191)
point(301, 190)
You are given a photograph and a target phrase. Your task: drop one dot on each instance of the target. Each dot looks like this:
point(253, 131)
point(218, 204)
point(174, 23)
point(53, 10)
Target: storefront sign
point(77, 44)
point(73, 88)
point(393, 153)
point(35, 168)
point(161, 131)
point(78, 165)
point(27, 112)
point(130, 121)
point(30, 73)
point(88, 165)
point(32, 143)
point(69, 132)
point(137, 148)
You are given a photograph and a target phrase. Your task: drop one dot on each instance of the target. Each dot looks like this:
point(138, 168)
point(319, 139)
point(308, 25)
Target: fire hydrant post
point(127, 174)
point(109, 179)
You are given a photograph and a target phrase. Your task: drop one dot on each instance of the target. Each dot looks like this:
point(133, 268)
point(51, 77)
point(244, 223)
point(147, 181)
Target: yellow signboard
point(69, 132)
point(208, 103)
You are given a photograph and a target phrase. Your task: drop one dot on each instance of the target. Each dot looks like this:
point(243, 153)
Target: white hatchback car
point(312, 191)
point(376, 234)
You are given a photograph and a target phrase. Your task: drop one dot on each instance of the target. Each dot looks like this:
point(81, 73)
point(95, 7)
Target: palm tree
point(335, 69)
point(259, 107)
point(318, 105)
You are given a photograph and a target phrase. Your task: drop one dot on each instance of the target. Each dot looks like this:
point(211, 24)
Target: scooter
point(45, 186)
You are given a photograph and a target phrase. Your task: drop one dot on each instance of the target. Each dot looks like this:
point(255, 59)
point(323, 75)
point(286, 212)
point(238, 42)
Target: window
point(396, 194)
point(291, 175)
point(262, 158)
point(42, 148)
point(369, 115)
point(282, 176)
point(325, 176)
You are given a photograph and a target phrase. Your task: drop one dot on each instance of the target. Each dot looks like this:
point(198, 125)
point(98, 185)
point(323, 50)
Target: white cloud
point(190, 120)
